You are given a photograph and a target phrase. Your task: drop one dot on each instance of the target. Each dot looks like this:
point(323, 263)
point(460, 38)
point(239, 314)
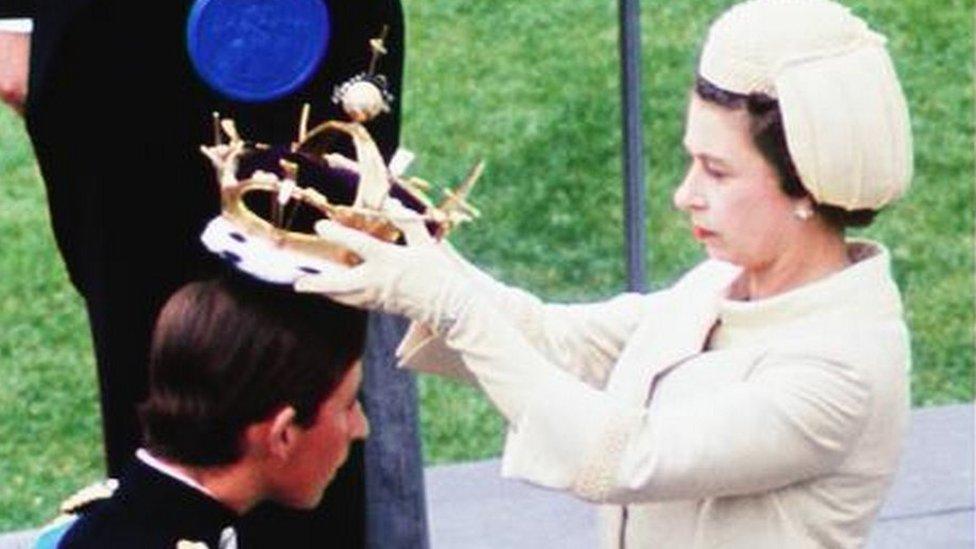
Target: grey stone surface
point(930, 505)
point(18, 540)
point(471, 507)
point(952, 530)
point(931, 501)
point(936, 471)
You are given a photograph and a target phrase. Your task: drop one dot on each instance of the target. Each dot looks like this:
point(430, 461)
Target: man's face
point(323, 447)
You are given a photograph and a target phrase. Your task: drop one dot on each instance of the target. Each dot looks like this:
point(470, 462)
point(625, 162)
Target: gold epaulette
point(92, 493)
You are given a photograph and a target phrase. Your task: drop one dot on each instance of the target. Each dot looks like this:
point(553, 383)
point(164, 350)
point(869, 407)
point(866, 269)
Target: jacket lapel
point(676, 331)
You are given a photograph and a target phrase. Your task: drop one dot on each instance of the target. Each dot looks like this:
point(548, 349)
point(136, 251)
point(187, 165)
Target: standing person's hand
point(425, 280)
point(422, 282)
point(416, 281)
point(14, 62)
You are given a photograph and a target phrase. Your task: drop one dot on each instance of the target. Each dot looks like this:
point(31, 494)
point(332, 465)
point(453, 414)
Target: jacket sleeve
point(585, 340)
point(795, 421)
point(16, 8)
point(582, 339)
point(797, 417)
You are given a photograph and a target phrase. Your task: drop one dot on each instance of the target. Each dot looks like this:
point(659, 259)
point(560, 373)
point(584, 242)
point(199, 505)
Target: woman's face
point(731, 193)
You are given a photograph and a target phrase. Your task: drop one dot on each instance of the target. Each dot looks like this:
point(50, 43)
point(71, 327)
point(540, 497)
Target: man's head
point(244, 373)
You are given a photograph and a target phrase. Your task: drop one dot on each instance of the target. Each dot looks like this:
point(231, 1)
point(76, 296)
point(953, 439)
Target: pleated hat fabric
point(844, 113)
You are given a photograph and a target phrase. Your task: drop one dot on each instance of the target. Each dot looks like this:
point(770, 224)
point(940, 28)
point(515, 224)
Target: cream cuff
point(571, 437)
point(24, 26)
point(421, 350)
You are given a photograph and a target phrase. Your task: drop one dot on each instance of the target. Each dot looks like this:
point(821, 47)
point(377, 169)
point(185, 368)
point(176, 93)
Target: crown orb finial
point(362, 101)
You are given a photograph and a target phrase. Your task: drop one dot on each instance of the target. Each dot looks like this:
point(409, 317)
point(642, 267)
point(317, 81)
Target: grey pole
point(395, 500)
point(630, 84)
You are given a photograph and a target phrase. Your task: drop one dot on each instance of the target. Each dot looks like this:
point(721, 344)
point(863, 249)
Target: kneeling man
point(252, 398)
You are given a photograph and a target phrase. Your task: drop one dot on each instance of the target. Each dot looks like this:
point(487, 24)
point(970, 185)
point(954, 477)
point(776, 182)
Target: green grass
point(533, 88)
point(50, 437)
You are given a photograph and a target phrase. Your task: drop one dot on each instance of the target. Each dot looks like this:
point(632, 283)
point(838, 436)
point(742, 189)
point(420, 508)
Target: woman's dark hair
point(230, 352)
point(770, 138)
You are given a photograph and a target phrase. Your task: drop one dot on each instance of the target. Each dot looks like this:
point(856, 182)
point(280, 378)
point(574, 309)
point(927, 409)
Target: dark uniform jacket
point(150, 510)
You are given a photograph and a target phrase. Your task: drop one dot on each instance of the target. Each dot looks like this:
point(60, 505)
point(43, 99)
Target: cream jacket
point(784, 433)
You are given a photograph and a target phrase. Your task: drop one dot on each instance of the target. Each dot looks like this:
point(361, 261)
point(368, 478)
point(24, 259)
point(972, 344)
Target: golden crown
point(312, 179)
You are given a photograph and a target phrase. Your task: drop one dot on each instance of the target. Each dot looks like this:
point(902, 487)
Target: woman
point(760, 401)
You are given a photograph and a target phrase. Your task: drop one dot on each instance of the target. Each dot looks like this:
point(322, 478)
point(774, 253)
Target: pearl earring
point(803, 213)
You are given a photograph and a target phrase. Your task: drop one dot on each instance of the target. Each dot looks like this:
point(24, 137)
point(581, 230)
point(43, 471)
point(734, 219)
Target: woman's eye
point(712, 172)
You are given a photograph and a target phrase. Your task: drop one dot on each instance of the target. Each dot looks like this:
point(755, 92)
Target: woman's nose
point(688, 196)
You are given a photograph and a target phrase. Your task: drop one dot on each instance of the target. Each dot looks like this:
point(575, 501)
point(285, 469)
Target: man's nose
point(361, 429)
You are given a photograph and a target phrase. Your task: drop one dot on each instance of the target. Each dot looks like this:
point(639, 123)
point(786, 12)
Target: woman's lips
point(701, 233)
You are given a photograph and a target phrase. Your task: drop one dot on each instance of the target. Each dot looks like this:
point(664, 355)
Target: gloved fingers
point(411, 224)
point(360, 243)
point(333, 284)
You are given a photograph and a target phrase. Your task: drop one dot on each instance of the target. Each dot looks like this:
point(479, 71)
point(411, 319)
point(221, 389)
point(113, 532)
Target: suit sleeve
point(16, 8)
point(796, 418)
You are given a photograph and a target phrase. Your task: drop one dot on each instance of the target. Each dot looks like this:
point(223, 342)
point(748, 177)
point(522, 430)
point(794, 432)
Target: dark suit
point(150, 510)
point(116, 115)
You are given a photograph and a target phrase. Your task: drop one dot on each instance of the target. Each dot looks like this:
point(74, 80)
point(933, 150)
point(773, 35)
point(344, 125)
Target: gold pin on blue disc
point(257, 50)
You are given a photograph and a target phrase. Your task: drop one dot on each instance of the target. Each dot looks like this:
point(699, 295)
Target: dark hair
point(770, 138)
point(229, 352)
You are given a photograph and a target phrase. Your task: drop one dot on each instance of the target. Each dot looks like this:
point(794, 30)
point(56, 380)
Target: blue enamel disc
point(257, 50)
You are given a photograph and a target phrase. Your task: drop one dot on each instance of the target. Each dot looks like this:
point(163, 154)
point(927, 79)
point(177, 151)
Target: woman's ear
point(283, 433)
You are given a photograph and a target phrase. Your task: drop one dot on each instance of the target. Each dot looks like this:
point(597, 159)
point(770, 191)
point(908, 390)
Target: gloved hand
point(422, 283)
point(415, 231)
point(422, 348)
point(417, 281)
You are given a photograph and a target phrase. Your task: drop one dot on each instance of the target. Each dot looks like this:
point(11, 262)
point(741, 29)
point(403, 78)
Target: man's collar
point(144, 456)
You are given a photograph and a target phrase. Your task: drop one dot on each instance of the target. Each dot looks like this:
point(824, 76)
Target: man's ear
point(283, 433)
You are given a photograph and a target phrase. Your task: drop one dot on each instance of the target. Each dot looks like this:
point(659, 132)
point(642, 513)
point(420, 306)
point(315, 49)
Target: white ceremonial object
point(260, 257)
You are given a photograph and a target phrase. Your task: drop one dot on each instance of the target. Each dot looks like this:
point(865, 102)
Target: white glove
point(416, 281)
point(509, 300)
point(419, 281)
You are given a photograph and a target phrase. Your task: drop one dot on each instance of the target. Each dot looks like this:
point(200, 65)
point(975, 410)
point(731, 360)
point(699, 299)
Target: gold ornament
point(266, 246)
point(363, 100)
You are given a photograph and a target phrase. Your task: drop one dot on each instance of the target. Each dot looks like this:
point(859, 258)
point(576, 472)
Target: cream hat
point(844, 113)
